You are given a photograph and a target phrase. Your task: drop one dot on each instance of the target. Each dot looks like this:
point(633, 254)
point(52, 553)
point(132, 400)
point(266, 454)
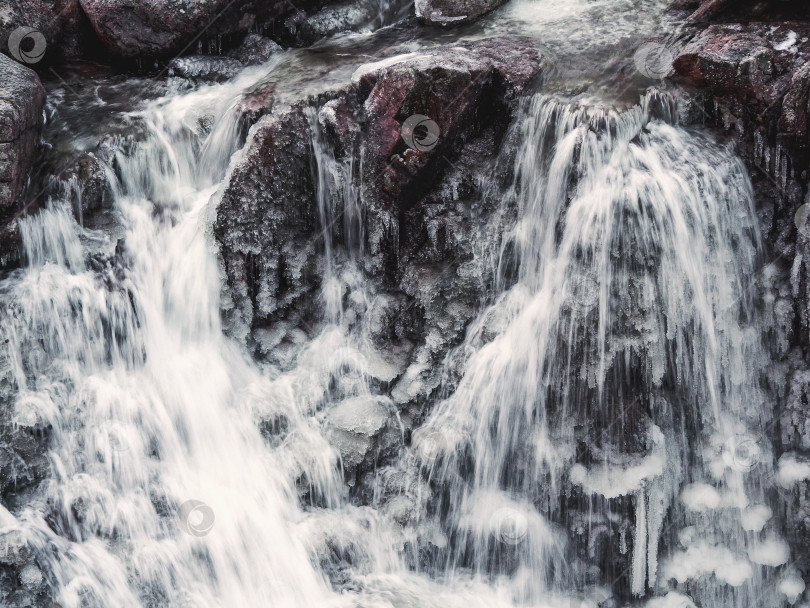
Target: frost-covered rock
point(254, 50)
point(454, 12)
point(423, 223)
point(354, 427)
point(202, 67)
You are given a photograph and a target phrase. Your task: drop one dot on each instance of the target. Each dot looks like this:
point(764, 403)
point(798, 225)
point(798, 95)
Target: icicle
point(638, 579)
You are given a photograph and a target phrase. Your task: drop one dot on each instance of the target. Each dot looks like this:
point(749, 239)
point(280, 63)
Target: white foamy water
point(605, 439)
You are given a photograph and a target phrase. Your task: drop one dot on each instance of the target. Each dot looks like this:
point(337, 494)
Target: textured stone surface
point(156, 27)
point(454, 12)
point(423, 216)
point(21, 101)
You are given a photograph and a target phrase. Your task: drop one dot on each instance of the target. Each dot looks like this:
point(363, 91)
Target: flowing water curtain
point(625, 359)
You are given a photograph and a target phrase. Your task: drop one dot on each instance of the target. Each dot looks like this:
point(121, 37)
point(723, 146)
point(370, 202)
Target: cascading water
point(592, 446)
point(639, 387)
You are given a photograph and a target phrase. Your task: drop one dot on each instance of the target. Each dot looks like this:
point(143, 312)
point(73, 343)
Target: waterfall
point(604, 409)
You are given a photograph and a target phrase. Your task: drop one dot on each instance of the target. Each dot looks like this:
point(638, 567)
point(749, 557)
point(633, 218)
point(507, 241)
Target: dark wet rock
point(454, 12)
point(132, 28)
point(257, 102)
point(266, 220)
point(709, 9)
point(303, 29)
point(424, 107)
point(86, 184)
point(205, 68)
point(754, 65)
point(254, 50)
point(40, 16)
point(22, 99)
point(742, 11)
point(424, 216)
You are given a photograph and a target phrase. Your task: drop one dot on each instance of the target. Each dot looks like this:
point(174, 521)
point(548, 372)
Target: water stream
point(618, 370)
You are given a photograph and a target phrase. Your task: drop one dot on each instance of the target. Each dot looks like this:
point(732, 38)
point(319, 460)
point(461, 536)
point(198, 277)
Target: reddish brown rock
point(457, 89)
point(269, 224)
point(754, 65)
point(132, 28)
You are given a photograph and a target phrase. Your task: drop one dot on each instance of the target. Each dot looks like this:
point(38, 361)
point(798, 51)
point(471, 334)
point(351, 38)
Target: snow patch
point(702, 559)
point(755, 517)
point(792, 470)
point(788, 43)
point(770, 552)
point(612, 482)
point(792, 586)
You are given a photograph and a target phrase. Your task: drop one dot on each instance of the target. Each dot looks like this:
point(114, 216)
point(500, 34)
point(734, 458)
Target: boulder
point(423, 218)
point(133, 28)
point(255, 50)
point(205, 68)
point(453, 12)
point(22, 99)
point(303, 29)
point(752, 64)
point(456, 88)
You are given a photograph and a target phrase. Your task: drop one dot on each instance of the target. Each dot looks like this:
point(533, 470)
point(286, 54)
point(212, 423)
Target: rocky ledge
point(426, 125)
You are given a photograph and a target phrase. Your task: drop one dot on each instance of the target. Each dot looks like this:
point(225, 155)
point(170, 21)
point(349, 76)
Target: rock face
point(410, 217)
point(453, 12)
point(132, 28)
point(57, 22)
point(22, 99)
